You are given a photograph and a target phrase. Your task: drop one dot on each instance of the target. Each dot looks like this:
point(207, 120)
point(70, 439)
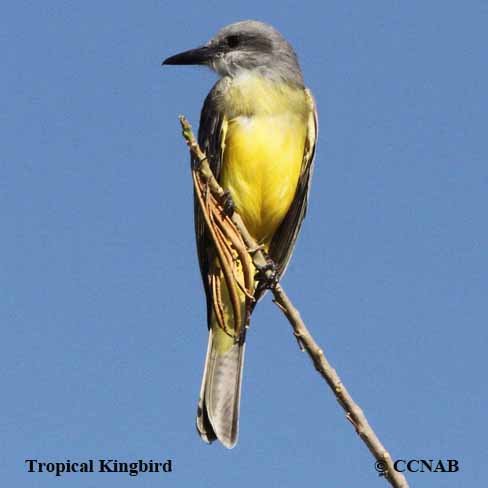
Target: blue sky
point(102, 309)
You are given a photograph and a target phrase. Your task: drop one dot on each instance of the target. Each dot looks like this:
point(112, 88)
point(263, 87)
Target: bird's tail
point(229, 312)
point(218, 406)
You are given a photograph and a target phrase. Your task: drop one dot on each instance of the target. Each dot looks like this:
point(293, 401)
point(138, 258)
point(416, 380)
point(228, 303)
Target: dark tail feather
point(218, 406)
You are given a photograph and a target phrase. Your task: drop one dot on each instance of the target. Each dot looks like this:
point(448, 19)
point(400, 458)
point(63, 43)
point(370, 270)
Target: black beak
point(200, 55)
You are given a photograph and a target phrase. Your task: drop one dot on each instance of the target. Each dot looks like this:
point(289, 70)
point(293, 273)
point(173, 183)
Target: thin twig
point(354, 413)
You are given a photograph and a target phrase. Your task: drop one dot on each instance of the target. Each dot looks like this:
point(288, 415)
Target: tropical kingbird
point(258, 128)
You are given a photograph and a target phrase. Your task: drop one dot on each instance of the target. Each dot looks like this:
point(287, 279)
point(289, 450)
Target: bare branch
point(354, 413)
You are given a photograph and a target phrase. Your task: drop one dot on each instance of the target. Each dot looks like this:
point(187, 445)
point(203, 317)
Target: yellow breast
point(263, 140)
point(263, 150)
point(263, 155)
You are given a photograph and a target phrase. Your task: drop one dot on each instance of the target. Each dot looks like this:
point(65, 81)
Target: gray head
point(248, 45)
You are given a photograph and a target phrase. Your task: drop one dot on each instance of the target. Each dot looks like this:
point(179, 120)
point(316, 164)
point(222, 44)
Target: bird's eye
point(233, 41)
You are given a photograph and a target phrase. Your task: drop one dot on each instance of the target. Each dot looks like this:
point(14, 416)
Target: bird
point(258, 129)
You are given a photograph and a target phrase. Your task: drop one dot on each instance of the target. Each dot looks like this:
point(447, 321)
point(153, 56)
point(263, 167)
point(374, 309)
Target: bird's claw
point(267, 275)
point(228, 206)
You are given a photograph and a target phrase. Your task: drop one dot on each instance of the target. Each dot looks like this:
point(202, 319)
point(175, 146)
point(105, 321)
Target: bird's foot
point(228, 206)
point(267, 275)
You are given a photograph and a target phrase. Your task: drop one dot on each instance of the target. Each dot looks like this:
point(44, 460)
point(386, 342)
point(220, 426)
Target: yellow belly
point(262, 162)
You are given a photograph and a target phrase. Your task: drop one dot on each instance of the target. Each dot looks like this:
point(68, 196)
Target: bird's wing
point(283, 242)
point(211, 137)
